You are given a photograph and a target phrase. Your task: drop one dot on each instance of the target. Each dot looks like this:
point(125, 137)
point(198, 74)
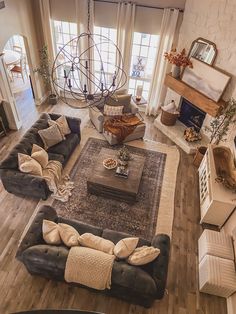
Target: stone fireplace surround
point(176, 132)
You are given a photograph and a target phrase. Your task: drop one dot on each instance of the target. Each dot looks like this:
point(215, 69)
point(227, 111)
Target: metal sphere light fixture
point(84, 77)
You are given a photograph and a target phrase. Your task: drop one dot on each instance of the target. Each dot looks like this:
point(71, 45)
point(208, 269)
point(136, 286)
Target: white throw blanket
point(91, 268)
point(59, 185)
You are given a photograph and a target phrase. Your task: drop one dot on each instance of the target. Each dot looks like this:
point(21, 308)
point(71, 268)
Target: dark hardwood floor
point(20, 291)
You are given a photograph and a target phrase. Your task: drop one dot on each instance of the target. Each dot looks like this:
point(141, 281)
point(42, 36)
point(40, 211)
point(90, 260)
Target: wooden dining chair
point(19, 68)
point(18, 49)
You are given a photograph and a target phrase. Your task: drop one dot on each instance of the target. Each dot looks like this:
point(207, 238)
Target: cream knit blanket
point(59, 185)
point(91, 268)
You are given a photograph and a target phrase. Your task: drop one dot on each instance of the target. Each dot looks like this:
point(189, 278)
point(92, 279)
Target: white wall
point(17, 18)
point(214, 20)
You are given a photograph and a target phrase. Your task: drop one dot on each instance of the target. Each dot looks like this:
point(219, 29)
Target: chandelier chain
point(88, 16)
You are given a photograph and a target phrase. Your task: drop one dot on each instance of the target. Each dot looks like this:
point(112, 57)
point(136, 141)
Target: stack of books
point(122, 171)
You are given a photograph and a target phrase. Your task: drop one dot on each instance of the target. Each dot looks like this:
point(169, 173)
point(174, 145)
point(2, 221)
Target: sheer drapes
point(83, 21)
point(125, 29)
point(158, 90)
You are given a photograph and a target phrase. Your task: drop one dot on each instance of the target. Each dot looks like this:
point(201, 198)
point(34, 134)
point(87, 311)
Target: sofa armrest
point(160, 264)
point(46, 260)
point(33, 236)
point(97, 118)
point(74, 123)
point(19, 183)
point(133, 107)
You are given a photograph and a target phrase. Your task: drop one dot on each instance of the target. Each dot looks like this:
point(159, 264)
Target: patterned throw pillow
point(51, 136)
point(29, 165)
point(40, 155)
point(113, 110)
point(143, 255)
point(62, 123)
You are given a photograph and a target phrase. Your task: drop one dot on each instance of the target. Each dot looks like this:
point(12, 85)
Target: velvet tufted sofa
point(136, 284)
point(23, 184)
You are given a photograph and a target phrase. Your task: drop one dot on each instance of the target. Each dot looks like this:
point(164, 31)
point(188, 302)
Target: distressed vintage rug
point(138, 219)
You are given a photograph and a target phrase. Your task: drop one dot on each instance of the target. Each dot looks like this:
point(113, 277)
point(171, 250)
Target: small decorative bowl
point(110, 163)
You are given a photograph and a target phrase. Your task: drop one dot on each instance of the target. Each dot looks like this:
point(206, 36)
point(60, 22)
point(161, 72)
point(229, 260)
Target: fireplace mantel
point(199, 100)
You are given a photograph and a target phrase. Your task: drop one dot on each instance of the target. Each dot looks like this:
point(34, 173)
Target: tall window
point(106, 50)
point(144, 52)
point(63, 33)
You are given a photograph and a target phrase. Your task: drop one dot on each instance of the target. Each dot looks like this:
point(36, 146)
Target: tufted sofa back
point(25, 145)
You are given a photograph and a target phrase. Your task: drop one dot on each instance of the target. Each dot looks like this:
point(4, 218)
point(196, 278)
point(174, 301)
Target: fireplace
point(190, 115)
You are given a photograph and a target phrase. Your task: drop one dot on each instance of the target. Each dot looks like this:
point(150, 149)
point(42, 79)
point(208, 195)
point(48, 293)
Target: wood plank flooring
point(21, 291)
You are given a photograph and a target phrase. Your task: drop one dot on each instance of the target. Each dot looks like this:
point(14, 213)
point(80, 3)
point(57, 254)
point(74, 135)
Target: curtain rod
point(140, 5)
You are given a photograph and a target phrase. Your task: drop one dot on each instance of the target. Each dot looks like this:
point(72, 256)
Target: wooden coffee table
point(103, 182)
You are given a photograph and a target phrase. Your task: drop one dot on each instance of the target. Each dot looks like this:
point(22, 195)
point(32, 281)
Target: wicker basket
point(168, 118)
point(199, 156)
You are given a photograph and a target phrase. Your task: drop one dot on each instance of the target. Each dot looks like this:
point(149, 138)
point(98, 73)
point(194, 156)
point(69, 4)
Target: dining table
point(11, 57)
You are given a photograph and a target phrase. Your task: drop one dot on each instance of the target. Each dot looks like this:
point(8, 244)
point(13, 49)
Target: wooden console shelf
point(204, 103)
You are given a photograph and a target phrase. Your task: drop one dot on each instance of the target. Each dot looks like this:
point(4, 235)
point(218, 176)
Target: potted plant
point(218, 129)
point(178, 59)
point(44, 70)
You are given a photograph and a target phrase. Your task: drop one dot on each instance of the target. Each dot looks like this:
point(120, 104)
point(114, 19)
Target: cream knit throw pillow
point(125, 247)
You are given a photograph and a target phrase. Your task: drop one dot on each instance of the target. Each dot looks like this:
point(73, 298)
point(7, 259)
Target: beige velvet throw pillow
point(143, 255)
point(97, 243)
point(125, 247)
point(50, 136)
point(68, 234)
point(40, 155)
point(50, 232)
point(62, 123)
point(29, 165)
point(119, 100)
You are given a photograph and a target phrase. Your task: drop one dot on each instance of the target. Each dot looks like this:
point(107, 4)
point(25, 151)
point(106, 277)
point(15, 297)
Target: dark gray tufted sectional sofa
point(22, 184)
point(136, 284)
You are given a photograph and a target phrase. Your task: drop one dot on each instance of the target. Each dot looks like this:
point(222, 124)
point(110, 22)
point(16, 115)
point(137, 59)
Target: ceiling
point(159, 3)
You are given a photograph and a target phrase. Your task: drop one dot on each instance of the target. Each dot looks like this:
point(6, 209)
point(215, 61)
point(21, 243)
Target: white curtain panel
point(47, 30)
point(158, 89)
point(46, 25)
point(125, 29)
point(83, 45)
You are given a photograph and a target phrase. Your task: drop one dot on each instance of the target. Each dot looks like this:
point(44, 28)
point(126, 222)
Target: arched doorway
point(19, 73)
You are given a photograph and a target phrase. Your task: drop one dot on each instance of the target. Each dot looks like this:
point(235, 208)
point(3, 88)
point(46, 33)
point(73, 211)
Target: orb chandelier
point(85, 77)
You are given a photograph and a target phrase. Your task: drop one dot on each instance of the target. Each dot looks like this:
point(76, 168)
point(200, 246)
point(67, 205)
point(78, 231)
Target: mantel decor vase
point(176, 70)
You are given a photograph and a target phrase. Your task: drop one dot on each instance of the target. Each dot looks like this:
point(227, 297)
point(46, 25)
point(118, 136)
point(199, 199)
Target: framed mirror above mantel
point(202, 84)
point(204, 50)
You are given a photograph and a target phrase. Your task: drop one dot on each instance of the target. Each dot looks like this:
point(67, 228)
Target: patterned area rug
point(138, 219)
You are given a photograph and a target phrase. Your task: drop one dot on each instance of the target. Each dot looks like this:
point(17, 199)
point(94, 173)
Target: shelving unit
point(216, 201)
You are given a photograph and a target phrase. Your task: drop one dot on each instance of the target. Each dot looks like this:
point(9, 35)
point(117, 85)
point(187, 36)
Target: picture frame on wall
point(206, 79)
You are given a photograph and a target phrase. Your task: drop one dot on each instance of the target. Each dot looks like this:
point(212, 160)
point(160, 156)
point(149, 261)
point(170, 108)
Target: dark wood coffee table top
point(104, 182)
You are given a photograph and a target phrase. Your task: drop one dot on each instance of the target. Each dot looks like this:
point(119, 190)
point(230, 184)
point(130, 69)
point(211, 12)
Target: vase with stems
point(178, 60)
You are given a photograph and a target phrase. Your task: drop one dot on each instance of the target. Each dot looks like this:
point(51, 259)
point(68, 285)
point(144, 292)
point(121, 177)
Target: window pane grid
point(144, 50)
